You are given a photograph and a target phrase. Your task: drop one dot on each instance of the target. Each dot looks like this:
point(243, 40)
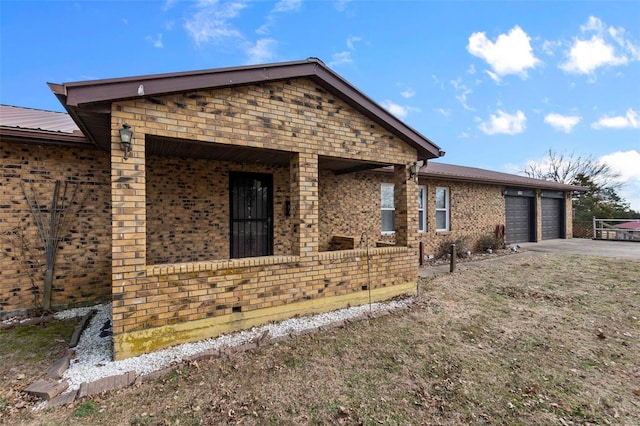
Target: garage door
point(518, 212)
point(552, 224)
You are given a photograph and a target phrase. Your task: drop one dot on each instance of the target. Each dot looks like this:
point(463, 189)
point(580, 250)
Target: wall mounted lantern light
point(126, 137)
point(414, 169)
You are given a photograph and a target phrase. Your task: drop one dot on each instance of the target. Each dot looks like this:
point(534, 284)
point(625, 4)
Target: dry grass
point(525, 340)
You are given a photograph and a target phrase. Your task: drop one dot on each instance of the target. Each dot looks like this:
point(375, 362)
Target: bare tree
point(602, 183)
point(572, 168)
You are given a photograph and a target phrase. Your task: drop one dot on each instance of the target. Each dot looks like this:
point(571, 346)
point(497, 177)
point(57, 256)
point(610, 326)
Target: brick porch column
point(406, 203)
point(128, 216)
point(304, 204)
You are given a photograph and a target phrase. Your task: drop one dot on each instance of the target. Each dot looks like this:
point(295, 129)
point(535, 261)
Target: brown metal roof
point(36, 119)
point(435, 170)
point(19, 124)
point(88, 102)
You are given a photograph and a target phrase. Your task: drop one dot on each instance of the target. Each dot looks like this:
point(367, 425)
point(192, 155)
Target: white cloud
point(587, 54)
point(287, 5)
point(262, 51)
point(211, 21)
point(168, 4)
point(626, 164)
point(593, 24)
point(340, 58)
point(399, 111)
point(446, 112)
point(437, 81)
point(618, 36)
point(630, 120)
point(549, 47)
point(351, 41)
point(408, 93)
point(563, 123)
point(156, 42)
point(283, 6)
point(504, 123)
point(395, 109)
point(463, 92)
point(344, 57)
point(510, 54)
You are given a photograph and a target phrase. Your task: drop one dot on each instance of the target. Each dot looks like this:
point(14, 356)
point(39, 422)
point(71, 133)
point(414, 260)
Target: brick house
point(249, 194)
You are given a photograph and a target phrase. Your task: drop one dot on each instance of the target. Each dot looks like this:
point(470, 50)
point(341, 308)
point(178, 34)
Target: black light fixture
point(126, 136)
point(414, 169)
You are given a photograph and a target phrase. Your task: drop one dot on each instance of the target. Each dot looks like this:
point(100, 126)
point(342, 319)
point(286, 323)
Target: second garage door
point(519, 219)
point(552, 223)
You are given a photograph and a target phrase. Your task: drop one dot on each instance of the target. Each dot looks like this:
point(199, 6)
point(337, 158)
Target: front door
point(251, 201)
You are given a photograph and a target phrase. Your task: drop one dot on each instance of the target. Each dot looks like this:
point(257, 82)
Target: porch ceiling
point(181, 148)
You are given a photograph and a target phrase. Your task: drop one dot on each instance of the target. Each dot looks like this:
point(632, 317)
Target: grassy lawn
point(543, 339)
point(26, 353)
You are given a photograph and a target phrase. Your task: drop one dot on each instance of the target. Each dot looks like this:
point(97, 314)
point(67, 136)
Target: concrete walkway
point(587, 247)
point(578, 246)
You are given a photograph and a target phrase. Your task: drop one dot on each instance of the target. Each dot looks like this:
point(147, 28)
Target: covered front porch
point(233, 244)
point(225, 206)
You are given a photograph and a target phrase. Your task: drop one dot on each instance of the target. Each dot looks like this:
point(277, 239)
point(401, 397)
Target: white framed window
point(422, 208)
point(388, 208)
point(442, 209)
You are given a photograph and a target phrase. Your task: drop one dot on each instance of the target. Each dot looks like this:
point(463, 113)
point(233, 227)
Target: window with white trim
point(388, 208)
point(442, 209)
point(422, 208)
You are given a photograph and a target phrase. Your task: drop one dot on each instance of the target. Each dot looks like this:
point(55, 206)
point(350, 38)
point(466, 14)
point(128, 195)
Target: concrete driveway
point(620, 249)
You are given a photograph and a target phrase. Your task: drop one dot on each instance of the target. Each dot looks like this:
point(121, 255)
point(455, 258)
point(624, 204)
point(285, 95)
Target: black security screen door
point(251, 200)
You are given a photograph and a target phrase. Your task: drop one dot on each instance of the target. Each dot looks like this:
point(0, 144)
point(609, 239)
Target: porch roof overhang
point(174, 147)
point(89, 102)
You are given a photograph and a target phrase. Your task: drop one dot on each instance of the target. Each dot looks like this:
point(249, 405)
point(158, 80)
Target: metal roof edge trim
point(536, 183)
point(21, 135)
point(76, 94)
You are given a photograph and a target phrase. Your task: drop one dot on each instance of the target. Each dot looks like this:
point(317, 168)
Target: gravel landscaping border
point(92, 370)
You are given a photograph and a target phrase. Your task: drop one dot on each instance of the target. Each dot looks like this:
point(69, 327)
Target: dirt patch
point(541, 339)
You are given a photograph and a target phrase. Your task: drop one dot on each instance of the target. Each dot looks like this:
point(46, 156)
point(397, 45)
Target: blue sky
point(494, 84)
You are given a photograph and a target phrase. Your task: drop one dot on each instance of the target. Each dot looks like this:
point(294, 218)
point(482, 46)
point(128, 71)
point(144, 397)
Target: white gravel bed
point(93, 359)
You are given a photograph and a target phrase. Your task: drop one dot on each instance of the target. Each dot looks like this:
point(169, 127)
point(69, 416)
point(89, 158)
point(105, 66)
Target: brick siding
point(83, 264)
point(155, 232)
point(161, 211)
point(475, 210)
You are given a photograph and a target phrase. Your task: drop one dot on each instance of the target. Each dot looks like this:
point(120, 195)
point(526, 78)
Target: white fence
point(616, 229)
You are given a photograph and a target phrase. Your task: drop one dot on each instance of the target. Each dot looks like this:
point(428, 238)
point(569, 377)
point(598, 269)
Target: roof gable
point(88, 102)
